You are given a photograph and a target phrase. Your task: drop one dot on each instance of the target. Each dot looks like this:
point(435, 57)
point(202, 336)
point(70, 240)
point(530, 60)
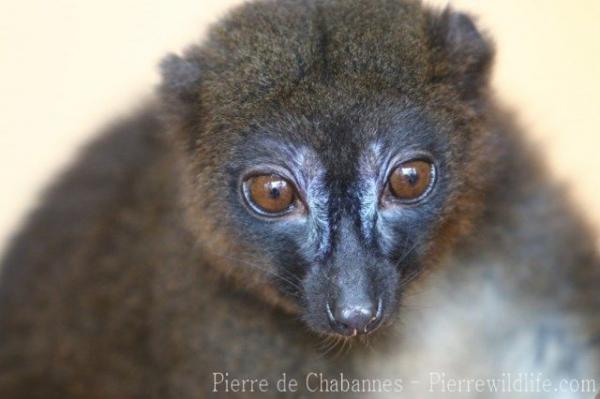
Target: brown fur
point(132, 280)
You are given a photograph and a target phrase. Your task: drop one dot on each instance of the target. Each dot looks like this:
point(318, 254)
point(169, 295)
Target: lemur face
point(342, 206)
point(333, 159)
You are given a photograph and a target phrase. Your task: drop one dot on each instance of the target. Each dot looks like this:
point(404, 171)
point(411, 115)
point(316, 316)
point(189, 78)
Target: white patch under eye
point(311, 175)
point(369, 188)
point(318, 199)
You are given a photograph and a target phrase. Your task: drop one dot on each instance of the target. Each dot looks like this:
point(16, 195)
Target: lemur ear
point(180, 79)
point(462, 55)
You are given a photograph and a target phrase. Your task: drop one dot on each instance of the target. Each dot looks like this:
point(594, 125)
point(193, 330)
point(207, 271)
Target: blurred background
point(69, 66)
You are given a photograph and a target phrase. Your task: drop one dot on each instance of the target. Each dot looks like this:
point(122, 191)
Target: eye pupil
point(411, 175)
point(270, 194)
point(411, 180)
point(274, 188)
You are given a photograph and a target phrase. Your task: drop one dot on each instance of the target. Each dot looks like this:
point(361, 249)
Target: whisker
point(407, 253)
point(291, 279)
point(335, 342)
point(340, 351)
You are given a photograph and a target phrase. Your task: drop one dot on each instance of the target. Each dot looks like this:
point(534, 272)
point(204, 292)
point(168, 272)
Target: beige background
point(68, 66)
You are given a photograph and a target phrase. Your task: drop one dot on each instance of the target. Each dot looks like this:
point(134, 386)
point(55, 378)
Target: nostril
point(353, 319)
point(337, 325)
point(376, 319)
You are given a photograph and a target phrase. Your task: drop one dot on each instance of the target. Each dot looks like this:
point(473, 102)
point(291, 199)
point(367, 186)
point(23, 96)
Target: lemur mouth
point(356, 319)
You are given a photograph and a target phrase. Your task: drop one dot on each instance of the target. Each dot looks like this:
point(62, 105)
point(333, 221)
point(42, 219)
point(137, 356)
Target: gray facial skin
point(350, 242)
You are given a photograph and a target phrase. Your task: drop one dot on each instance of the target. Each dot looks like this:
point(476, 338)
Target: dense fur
point(142, 272)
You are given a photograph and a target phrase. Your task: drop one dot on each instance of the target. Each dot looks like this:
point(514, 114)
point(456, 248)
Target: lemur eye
point(270, 194)
point(411, 180)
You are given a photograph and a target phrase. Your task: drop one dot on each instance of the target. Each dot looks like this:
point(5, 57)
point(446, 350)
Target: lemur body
point(163, 255)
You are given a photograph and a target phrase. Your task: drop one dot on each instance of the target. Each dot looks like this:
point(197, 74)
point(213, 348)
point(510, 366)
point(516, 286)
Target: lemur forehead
point(309, 162)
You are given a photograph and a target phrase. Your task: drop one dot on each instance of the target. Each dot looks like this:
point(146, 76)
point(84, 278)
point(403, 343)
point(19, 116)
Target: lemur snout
point(353, 318)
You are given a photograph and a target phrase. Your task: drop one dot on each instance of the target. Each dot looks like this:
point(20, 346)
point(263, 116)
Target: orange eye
point(271, 194)
point(410, 180)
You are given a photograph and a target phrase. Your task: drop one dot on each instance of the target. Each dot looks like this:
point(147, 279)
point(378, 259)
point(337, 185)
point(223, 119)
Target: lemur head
point(332, 149)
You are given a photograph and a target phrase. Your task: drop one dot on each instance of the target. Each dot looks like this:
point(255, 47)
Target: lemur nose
point(356, 318)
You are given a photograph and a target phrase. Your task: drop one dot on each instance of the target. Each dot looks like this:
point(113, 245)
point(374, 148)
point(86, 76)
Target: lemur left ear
point(180, 79)
point(462, 56)
point(179, 94)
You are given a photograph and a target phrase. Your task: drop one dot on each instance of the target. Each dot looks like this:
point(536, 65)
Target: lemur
point(326, 189)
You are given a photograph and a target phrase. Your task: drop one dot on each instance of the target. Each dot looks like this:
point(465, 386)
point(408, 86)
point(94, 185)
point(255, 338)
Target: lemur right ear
point(462, 56)
point(180, 79)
